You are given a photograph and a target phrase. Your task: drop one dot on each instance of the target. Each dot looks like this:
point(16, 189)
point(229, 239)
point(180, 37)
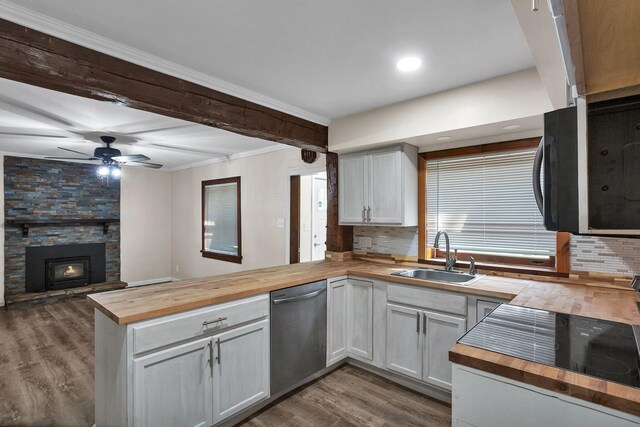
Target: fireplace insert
point(65, 273)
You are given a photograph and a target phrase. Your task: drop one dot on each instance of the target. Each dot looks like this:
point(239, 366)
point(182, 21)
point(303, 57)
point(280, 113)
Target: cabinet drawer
point(164, 331)
point(426, 298)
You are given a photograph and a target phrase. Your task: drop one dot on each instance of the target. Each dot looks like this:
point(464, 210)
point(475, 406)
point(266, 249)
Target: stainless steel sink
point(453, 277)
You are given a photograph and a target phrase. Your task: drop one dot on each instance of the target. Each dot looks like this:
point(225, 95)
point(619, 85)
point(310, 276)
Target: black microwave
point(590, 161)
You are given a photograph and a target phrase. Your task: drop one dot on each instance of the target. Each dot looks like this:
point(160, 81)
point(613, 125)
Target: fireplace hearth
point(64, 266)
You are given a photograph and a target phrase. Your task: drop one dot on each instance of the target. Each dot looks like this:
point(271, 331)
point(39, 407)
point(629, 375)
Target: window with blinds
point(221, 219)
point(486, 204)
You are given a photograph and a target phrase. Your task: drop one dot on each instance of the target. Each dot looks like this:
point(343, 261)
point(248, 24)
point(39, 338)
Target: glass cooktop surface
point(600, 348)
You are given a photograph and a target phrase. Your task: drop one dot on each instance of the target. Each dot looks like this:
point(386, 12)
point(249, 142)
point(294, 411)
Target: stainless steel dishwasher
point(298, 334)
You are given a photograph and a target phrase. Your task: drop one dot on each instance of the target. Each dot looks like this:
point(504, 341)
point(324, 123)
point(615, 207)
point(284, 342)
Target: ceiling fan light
point(116, 172)
point(103, 171)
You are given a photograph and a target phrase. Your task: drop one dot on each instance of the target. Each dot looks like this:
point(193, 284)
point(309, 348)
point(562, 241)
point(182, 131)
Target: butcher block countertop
point(147, 302)
point(610, 303)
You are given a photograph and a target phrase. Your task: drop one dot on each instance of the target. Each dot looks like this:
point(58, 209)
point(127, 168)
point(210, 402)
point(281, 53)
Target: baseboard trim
point(152, 281)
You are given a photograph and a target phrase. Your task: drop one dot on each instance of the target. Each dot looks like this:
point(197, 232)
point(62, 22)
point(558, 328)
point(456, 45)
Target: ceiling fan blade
point(78, 152)
point(144, 164)
point(70, 158)
point(131, 158)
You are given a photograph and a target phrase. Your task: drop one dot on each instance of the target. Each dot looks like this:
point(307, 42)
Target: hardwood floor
point(350, 396)
point(46, 378)
point(46, 365)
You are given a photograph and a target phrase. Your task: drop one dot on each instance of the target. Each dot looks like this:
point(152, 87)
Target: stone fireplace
point(62, 230)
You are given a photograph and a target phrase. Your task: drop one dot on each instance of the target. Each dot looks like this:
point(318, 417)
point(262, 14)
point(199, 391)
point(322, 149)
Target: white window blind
point(221, 218)
point(486, 204)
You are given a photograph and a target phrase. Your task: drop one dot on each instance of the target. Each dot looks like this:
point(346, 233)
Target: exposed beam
point(339, 237)
point(39, 59)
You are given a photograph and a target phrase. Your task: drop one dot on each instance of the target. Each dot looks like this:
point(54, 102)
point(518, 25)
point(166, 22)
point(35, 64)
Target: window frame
point(219, 255)
point(426, 254)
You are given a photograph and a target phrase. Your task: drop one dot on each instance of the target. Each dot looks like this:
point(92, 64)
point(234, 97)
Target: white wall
point(145, 225)
point(503, 99)
point(264, 199)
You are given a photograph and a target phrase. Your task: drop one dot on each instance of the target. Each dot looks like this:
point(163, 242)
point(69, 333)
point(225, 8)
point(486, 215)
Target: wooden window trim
point(217, 255)
point(561, 263)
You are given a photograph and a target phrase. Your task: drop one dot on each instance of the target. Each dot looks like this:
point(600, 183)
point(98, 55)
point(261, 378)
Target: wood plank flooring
point(46, 379)
point(350, 396)
point(46, 365)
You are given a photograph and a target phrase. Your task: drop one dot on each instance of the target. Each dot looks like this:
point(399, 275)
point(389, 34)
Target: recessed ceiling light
point(511, 127)
point(410, 63)
point(443, 138)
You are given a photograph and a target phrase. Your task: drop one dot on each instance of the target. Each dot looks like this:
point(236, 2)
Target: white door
point(385, 187)
point(352, 188)
point(173, 387)
point(319, 218)
point(441, 332)
point(337, 321)
point(360, 318)
point(404, 340)
point(240, 369)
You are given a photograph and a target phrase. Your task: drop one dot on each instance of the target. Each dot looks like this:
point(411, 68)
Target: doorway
point(308, 217)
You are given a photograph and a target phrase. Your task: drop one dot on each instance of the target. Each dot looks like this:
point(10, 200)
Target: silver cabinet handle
point(299, 297)
point(424, 324)
point(418, 322)
point(209, 322)
point(219, 358)
point(368, 214)
point(210, 361)
point(364, 217)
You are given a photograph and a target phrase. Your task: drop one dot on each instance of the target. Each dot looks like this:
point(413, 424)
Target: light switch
point(280, 223)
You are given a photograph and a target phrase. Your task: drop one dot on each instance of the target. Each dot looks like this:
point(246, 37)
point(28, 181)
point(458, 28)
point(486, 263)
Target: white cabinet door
point(404, 341)
point(352, 170)
point(440, 335)
point(241, 368)
point(173, 387)
point(385, 187)
point(360, 316)
point(337, 321)
point(483, 308)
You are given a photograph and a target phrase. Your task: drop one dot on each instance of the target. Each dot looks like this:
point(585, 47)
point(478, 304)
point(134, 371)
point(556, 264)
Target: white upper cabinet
point(379, 187)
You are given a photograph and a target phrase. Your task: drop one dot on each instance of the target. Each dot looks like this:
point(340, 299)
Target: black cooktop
point(595, 347)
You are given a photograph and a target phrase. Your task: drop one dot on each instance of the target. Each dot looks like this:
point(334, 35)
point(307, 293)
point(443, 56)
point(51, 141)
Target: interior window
point(486, 204)
point(221, 235)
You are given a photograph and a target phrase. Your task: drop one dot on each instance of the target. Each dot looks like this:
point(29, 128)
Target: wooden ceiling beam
point(36, 58)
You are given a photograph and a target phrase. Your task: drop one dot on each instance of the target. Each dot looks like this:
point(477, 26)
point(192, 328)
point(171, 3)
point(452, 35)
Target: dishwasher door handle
point(299, 297)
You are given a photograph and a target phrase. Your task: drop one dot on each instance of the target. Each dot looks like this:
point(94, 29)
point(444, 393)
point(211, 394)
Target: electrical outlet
point(365, 242)
point(177, 268)
point(280, 223)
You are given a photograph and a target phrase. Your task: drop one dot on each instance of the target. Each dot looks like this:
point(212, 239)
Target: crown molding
point(39, 22)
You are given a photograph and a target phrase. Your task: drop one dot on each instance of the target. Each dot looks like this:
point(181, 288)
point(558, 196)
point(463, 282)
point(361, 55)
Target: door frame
point(302, 171)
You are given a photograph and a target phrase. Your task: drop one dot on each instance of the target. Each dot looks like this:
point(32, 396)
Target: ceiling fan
point(111, 158)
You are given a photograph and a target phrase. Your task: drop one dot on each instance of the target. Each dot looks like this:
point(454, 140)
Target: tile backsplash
point(387, 240)
point(605, 254)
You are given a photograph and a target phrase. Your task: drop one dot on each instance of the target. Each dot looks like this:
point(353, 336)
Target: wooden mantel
point(39, 59)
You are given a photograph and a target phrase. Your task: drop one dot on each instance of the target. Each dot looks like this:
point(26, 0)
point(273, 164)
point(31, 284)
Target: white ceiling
point(35, 121)
point(329, 58)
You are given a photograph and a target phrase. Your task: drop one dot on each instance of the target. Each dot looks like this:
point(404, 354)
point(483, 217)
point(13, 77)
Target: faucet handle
point(455, 254)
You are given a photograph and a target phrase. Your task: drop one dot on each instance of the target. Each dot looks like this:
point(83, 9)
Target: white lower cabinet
point(404, 342)
point(173, 387)
point(349, 319)
point(418, 343)
point(360, 318)
point(240, 369)
point(440, 333)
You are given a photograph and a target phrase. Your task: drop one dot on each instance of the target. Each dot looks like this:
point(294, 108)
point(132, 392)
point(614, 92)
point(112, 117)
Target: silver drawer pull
point(209, 322)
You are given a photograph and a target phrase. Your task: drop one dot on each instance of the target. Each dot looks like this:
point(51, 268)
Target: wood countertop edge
point(606, 393)
point(177, 307)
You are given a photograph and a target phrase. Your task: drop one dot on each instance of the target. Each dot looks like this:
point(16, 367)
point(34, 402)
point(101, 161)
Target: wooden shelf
point(25, 223)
